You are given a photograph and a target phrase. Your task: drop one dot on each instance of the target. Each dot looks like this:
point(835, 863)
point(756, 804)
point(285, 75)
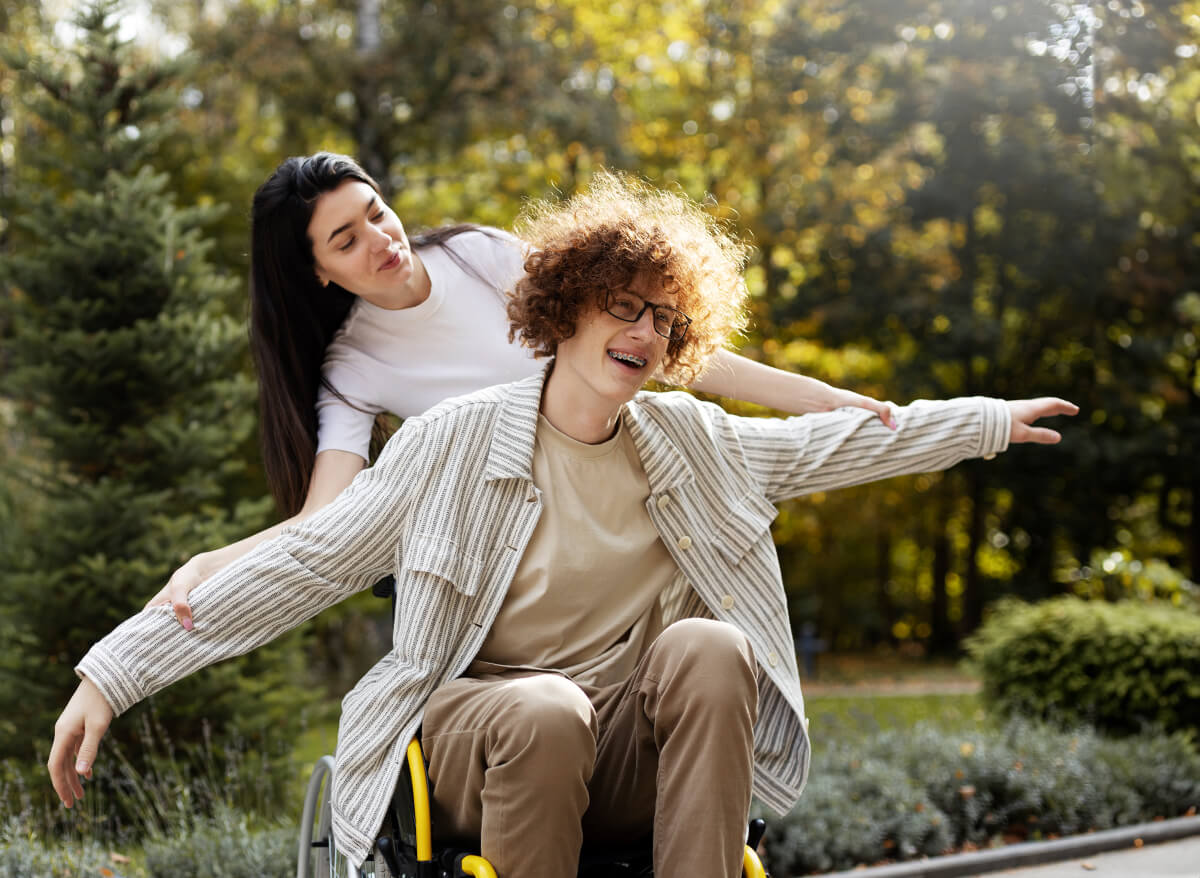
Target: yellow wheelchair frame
point(405, 849)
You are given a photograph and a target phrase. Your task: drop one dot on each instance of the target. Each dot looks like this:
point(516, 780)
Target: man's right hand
point(77, 737)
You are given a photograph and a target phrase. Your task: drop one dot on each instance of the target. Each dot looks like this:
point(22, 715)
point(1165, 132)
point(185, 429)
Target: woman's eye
point(347, 245)
point(378, 217)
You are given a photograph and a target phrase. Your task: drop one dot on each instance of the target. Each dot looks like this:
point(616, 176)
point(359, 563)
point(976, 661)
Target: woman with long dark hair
point(350, 318)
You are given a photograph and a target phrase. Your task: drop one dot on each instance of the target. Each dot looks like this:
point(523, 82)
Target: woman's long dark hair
point(293, 317)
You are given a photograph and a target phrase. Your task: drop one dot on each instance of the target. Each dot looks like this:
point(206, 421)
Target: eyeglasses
point(668, 322)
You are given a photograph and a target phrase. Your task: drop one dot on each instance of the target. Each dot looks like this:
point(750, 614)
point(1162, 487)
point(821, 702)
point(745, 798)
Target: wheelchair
point(405, 848)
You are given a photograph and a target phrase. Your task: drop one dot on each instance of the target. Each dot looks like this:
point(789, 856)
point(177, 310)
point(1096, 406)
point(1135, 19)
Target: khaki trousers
point(532, 763)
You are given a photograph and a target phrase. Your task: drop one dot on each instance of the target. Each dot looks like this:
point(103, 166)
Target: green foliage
point(128, 399)
point(1120, 666)
point(184, 800)
point(223, 846)
point(24, 855)
point(904, 793)
point(1117, 575)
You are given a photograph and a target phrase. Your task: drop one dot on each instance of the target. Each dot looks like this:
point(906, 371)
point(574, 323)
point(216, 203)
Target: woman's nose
point(380, 240)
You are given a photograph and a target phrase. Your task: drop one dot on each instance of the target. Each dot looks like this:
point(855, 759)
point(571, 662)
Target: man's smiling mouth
point(628, 359)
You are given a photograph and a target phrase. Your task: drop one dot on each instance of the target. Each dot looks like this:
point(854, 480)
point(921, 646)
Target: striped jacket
point(449, 508)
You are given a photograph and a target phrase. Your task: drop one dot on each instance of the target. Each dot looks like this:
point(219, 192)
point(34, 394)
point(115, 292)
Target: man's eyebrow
point(344, 226)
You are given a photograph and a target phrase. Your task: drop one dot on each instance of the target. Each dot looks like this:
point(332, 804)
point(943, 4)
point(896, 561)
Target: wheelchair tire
point(317, 852)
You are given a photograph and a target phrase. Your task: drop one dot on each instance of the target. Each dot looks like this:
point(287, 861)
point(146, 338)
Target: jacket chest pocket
point(746, 521)
point(443, 558)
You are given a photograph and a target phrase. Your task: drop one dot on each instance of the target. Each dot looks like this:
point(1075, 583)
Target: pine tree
point(126, 378)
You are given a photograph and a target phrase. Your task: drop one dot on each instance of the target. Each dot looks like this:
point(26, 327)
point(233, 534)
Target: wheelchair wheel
point(317, 854)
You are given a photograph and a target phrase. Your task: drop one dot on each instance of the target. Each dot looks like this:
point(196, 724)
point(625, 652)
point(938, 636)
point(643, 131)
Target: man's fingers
point(1051, 406)
point(85, 759)
point(1040, 436)
point(60, 764)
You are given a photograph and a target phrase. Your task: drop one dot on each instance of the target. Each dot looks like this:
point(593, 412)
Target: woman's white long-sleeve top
point(449, 508)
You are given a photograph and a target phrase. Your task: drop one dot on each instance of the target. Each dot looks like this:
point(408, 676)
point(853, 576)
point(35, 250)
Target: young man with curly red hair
point(591, 628)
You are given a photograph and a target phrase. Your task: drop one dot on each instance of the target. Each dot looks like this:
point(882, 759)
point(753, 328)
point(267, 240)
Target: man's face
point(611, 357)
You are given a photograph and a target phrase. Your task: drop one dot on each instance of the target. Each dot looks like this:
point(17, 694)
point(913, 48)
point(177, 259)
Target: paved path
point(1168, 849)
point(1172, 859)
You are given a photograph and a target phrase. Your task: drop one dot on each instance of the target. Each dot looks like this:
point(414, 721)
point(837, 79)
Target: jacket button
point(727, 602)
point(772, 658)
point(684, 543)
point(989, 457)
point(663, 501)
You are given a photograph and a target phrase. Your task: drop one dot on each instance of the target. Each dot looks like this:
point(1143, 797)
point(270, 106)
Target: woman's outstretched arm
point(736, 377)
point(333, 471)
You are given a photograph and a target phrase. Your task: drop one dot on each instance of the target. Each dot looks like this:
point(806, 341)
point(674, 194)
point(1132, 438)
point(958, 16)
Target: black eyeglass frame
point(655, 312)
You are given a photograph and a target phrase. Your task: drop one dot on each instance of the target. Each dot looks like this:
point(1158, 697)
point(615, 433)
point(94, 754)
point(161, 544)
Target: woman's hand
point(77, 737)
point(735, 377)
point(838, 398)
point(182, 581)
point(1026, 411)
point(332, 472)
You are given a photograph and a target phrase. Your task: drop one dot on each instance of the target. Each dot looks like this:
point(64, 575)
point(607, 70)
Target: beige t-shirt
point(585, 598)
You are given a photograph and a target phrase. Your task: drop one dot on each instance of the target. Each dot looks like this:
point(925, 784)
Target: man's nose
point(644, 325)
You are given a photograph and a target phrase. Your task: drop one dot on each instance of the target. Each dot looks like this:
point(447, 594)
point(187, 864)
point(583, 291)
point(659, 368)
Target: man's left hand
point(1026, 411)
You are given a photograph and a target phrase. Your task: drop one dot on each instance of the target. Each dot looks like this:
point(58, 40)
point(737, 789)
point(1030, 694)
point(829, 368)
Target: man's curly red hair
point(600, 239)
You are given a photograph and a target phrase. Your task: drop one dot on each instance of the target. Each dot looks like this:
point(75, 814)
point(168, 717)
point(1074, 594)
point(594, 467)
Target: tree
point(124, 375)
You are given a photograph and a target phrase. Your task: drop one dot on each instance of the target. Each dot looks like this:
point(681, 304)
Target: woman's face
point(359, 244)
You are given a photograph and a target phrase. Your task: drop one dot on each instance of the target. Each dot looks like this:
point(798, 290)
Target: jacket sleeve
point(820, 452)
point(344, 548)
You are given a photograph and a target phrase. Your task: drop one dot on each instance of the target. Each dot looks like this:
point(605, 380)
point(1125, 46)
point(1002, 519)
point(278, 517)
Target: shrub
point(223, 846)
point(24, 855)
point(1121, 667)
point(856, 809)
point(922, 791)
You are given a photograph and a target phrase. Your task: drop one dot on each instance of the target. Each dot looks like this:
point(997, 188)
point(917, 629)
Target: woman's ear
point(322, 279)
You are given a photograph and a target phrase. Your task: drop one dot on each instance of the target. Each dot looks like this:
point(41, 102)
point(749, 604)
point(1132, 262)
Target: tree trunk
point(366, 94)
point(973, 598)
point(941, 640)
point(883, 575)
point(1190, 448)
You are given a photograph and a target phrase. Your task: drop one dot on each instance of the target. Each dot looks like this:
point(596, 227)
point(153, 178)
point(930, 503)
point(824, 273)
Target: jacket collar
point(665, 465)
point(510, 455)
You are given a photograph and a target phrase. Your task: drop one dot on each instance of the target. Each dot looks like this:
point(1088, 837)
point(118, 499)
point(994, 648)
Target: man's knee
point(714, 660)
point(548, 718)
point(708, 644)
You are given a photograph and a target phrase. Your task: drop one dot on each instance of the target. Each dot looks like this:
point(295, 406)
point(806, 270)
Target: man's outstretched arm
point(344, 549)
point(824, 452)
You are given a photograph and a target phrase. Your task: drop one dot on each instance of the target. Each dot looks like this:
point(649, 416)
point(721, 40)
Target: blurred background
point(946, 198)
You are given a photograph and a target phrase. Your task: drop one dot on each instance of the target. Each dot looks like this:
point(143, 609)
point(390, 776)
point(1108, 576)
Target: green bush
point(901, 794)
point(223, 846)
point(1120, 667)
point(24, 855)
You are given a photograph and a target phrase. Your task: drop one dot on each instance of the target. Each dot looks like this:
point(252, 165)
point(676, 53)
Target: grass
point(858, 716)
